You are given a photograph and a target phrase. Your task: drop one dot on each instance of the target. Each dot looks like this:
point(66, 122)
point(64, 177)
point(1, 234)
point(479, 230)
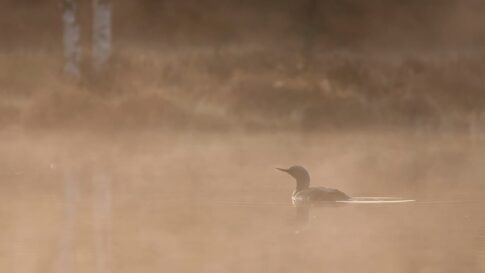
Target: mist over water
point(166, 160)
point(206, 202)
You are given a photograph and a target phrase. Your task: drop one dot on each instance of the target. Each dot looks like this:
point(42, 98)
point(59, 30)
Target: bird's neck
point(302, 184)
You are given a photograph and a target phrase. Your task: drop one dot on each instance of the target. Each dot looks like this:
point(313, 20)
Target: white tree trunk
point(101, 33)
point(72, 36)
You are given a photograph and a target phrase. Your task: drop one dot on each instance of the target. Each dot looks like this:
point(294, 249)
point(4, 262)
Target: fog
point(166, 159)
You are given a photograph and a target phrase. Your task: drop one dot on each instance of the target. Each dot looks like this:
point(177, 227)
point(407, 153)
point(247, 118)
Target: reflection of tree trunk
point(101, 33)
point(480, 250)
point(101, 218)
point(71, 192)
point(102, 221)
point(72, 47)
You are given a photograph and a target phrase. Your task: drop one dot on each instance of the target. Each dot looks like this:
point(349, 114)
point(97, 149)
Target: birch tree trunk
point(71, 39)
point(101, 33)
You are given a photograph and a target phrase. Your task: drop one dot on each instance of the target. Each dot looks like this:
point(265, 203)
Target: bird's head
point(299, 173)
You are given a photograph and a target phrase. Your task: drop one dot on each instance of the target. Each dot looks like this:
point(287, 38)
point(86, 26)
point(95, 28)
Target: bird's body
point(318, 194)
point(306, 194)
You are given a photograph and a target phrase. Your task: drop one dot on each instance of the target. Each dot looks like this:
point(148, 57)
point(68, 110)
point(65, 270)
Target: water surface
point(215, 204)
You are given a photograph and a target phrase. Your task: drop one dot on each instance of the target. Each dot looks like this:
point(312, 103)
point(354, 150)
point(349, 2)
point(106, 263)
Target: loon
point(306, 194)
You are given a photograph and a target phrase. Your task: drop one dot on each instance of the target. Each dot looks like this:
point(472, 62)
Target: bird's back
point(319, 194)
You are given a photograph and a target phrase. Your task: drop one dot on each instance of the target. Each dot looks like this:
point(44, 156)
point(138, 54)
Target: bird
point(304, 194)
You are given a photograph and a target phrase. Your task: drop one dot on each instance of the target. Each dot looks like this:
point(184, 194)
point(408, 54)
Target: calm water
point(212, 205)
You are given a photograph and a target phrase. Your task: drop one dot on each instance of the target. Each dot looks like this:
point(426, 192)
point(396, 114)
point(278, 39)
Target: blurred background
point(144, 135)
point(286, 65)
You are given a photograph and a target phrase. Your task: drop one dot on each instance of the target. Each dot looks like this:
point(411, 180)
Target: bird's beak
point(283, 170)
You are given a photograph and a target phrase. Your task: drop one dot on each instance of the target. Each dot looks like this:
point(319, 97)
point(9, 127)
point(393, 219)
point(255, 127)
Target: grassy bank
point(249, 87)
